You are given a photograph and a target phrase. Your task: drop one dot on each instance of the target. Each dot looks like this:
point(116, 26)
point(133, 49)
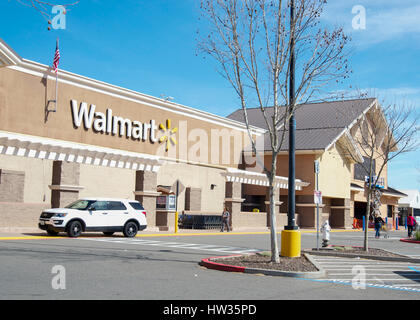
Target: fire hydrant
point(325, 233)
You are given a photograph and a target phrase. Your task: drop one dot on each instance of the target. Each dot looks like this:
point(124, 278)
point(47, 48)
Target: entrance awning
point(44, 148)
point(390, 192)
point(259, 179)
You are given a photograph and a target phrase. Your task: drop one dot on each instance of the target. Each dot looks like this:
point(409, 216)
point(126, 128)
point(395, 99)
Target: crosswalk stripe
point(181, 245)
point(378, 274)
point(371, 274)
point(412, 285)
point(394, 270)
point(375, 279)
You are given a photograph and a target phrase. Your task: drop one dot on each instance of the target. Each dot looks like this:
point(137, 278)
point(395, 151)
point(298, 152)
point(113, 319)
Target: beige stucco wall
point(106, 182)
point(22, 110)
point(334, 174)
point(358, 133)
point(38, 175)
point(196, 177)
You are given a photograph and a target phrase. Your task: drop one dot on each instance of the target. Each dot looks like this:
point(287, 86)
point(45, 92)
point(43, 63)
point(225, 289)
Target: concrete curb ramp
point(214, 263)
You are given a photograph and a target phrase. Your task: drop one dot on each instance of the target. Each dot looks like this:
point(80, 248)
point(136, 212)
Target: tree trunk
point(365, 244)
point(275, 257)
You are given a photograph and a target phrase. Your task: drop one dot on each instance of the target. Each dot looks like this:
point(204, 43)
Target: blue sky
point(150, 46)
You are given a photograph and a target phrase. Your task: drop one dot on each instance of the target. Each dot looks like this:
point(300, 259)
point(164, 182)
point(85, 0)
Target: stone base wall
point(193, 199)
point(258, 220)
point(20, 215)
point(12, 185)
point(249, 220)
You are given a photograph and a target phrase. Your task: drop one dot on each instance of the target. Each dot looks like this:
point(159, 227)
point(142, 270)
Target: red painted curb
point(409, 241)
point(221, 267)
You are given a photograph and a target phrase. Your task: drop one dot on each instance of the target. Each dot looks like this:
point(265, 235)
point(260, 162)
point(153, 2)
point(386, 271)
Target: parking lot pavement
point(116, 267)
point(371, 273)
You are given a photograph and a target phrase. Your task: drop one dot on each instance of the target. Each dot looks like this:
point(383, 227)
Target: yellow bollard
point(176, 222)
point(290, 243)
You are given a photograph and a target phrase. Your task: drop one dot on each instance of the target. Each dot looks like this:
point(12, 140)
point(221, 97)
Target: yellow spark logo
point(168, 134)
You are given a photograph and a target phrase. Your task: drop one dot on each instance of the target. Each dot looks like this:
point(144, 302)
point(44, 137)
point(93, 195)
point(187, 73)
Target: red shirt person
point(411, 223)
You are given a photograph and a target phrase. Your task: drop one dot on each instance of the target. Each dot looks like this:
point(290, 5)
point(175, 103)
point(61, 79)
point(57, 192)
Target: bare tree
point(251, 41)
point(44, 7)
point(381, 135)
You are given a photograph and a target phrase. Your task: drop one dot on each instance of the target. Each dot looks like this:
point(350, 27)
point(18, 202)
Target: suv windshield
point(80, 204)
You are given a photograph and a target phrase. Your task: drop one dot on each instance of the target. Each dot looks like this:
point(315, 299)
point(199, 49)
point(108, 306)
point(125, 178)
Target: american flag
point(56, 58)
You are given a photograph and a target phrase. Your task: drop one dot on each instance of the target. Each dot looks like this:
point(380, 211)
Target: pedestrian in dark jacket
point(225, 220)
point(378, 224)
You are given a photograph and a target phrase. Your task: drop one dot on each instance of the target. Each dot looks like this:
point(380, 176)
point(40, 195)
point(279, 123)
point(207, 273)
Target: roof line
point(308, 103)
point(351, 124)
point(322, 128)
point(15, 62)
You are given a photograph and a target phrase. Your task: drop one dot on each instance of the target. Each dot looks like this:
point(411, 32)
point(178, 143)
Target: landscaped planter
point(373, 254)
point(410, 240)
point(222, 264)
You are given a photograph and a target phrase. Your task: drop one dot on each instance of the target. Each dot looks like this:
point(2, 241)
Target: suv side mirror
point(91, 208)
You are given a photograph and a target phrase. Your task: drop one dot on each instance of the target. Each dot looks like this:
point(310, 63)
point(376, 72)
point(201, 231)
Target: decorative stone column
point(65, 183)
point(348, 219)
point(233, 200)
point(145, 193)
point(340, 216)
point(192, 199)
point(307, 211)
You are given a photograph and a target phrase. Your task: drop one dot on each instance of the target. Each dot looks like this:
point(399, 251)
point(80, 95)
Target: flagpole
point(56, 85)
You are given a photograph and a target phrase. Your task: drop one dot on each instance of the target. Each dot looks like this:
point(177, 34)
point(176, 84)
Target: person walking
point(411, 224)
point(325, 229)
point(378, 224)
point(225, 220)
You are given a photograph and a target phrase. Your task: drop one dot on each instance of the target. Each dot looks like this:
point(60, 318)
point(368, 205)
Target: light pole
point(290, 237)
point(316, 167)
point(292, 126)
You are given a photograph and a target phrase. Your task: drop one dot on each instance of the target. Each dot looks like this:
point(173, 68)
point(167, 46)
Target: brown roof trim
point(395, 192)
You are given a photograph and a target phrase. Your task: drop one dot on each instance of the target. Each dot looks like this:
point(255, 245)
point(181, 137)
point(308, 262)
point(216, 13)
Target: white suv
point(95, 214)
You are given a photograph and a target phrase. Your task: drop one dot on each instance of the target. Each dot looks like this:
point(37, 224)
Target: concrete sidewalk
point(33, 233)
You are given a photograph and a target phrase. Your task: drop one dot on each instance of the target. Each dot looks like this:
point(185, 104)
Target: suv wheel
point(74, 229)
point(130, 229)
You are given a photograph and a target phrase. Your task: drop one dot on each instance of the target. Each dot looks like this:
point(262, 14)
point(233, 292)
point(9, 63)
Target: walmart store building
point(100, 140)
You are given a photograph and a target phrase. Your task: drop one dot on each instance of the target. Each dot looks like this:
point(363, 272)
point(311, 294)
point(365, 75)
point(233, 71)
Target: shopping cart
point(385, 229)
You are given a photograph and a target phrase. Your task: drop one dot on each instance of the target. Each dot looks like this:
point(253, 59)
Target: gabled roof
point(318, 125)
point(411, 200)
point(391, 192)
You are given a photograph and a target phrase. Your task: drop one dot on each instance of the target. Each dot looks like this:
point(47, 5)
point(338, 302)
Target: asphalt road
point(166, 268)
